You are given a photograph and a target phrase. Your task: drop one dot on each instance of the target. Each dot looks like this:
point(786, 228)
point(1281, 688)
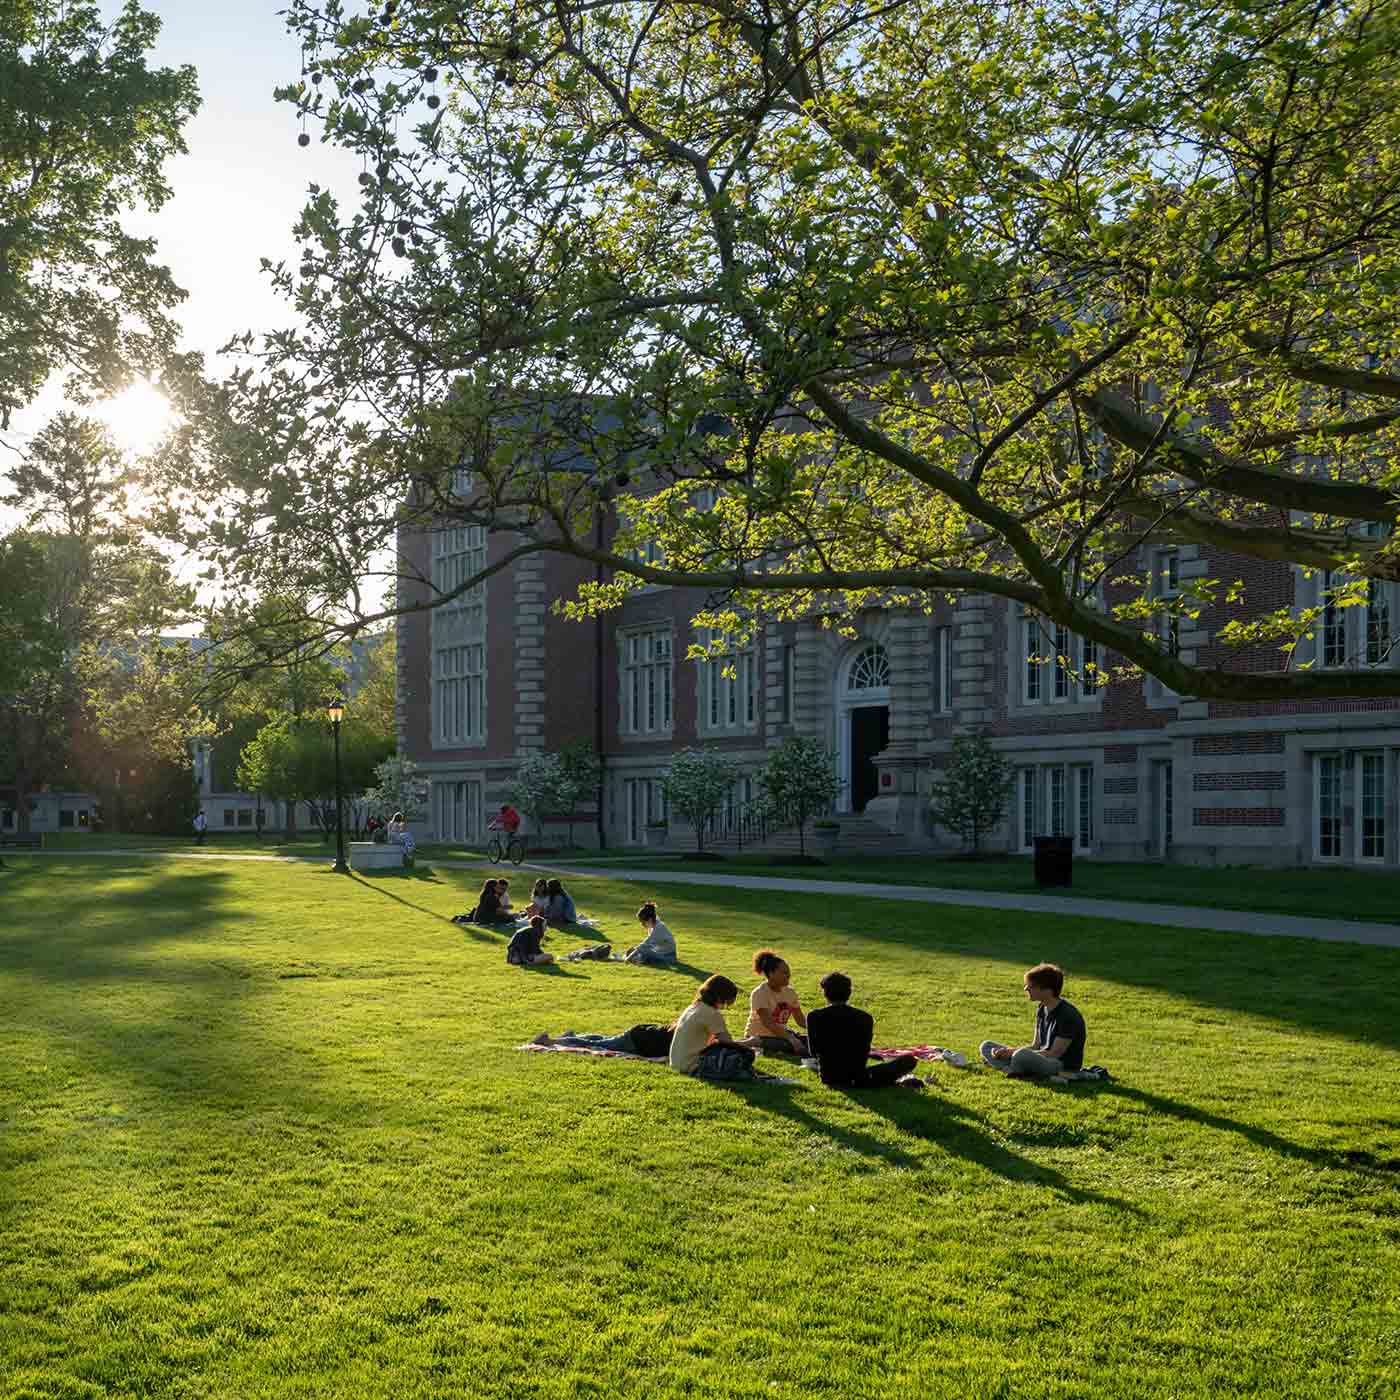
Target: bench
point(32, 842)
point(375, 855)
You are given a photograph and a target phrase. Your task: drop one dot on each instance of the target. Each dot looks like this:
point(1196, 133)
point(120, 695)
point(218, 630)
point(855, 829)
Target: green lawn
point(1370, 896)
point(265, 1134)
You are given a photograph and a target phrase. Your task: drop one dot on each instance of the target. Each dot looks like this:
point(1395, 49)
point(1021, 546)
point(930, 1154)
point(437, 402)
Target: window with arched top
point(870, 670)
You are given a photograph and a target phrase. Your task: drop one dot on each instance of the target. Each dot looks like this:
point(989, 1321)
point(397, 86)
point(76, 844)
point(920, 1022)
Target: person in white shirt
point(658, 948)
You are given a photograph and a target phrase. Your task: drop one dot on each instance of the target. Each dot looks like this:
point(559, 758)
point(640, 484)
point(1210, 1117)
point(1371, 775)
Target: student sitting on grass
point(840, 1036)
point(525, 948)
point(539, 899)
point(488, 905)
point(646, 1039)
point(772, 1004)
point(559, 908)
point(702, 1045)
point(503, 897)
point(1058, 1047)
point(658, 948)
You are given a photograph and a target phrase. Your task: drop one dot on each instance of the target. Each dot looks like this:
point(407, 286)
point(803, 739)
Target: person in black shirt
point(839, 1036)
point(1060, 1032)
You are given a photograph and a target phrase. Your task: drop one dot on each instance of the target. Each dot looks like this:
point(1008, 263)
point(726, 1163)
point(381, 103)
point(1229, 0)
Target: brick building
point(1131, 770)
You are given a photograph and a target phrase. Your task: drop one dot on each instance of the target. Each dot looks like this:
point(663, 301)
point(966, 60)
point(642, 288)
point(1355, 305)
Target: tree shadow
point(1331, 1158)
point(479, 935)
point(1340, 989)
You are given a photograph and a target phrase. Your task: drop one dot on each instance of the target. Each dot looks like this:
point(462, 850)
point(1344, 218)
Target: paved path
point(1167, 915)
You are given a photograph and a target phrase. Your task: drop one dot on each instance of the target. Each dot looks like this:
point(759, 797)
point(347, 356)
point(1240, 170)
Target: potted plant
point(825, 835)
point(654, 834)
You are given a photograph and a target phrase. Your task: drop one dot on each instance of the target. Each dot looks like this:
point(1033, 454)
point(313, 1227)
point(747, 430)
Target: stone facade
point(1131, 771)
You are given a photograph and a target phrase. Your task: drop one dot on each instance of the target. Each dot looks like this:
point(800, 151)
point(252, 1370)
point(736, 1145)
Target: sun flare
point(138, 417)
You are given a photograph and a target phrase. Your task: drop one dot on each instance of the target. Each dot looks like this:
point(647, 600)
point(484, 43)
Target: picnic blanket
point(923, 1052)
point(760, 1077)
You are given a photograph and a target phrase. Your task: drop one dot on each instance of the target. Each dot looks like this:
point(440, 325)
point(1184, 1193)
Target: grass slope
point(265, 1134)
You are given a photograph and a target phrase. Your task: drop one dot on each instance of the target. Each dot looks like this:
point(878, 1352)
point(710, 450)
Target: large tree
point(103, 596)
point(926, 298)
point(85, 131)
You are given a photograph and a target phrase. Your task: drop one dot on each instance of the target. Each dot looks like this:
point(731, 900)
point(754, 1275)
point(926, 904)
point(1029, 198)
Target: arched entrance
point(862, 723)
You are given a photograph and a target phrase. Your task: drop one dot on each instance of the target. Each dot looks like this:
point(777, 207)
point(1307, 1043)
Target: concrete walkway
point(1166, 915)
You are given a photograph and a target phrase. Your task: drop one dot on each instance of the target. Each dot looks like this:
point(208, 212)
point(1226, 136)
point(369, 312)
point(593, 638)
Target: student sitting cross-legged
point(1059, 1031)
point(840, 1036)
point(772, 1004)
point(525, 947)
point(658, 948)
point(702, 1045)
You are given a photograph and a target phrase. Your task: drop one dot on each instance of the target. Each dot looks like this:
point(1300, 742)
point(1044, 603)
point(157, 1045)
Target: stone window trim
point(1364, 636)
point(728, 704)
point(1042, 687)
point(646, 681)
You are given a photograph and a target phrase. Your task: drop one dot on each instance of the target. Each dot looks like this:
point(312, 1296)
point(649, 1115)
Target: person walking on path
point(840, 1036)
point(1058, 1047)
point(201, 825)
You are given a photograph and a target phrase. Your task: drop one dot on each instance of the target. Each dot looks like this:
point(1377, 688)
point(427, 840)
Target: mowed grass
point(265, 1133)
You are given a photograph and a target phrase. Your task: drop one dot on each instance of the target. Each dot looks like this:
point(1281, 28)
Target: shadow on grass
point(1336, 1159)
point(470, 930)
point(1341, 989)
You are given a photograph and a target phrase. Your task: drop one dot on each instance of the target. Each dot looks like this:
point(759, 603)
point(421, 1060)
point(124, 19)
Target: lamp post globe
point(335, 712)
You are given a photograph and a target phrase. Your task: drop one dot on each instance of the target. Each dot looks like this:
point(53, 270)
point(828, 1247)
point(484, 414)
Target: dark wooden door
point(870, 733)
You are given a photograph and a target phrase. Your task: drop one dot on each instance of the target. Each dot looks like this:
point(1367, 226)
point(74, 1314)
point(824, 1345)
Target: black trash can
point(1054, 860)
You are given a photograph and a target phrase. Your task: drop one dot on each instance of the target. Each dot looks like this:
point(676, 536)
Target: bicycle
point(510, 848)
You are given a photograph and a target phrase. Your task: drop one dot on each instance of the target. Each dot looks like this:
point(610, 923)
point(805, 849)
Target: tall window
point(1084, 791)
point(1371, 777)
point(1334, 624)
point(789, 683)
point(459, 553)
point(1051, 661)
point(942, 670)
point(1056, 802)
point(459, 693)
point(646, 803)
point(457, 811)
point(646, 681)
point(729, 701)
point(1029, 814)
point(1329, 806)
point(1166, 584)
point(1378, 638)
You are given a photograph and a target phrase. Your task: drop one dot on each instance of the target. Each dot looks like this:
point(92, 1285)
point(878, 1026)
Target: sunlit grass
point(266, 1134)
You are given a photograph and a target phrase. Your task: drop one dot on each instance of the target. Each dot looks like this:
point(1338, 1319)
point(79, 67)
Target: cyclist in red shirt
point(508, 820)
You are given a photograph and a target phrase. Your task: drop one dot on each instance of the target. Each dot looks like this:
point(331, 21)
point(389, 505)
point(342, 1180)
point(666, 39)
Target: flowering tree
point(696, 785)
point(971, 797)
point(579, 774)
point(535, 789)
point(799, 781)
point(399, 787)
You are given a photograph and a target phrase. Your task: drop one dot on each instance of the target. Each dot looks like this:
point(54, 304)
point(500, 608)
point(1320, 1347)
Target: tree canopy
point(85, 131)
point(874, 301)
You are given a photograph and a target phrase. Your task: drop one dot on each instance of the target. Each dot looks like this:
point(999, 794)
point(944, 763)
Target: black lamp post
point(336, 711)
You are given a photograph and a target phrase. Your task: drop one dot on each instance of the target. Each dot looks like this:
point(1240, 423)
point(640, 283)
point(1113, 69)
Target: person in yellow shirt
point(702, 1045)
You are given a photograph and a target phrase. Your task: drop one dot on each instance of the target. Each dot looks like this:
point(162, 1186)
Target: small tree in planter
point(579, 771)
point(799, 781)
point(696, 785)
point(399, 786)
point(970, 799)
point(536, 786)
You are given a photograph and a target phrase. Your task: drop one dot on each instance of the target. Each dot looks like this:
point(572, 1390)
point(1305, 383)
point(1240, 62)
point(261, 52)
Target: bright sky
point(238, 192)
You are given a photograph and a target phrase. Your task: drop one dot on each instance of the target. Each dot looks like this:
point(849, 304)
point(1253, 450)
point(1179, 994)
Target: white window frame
point(942, 670)
point(643, 802)
point(1083, 798)
point(1035, 690)
point(1380, 759)
point(1028, 815)
point(1319, 760)
point(646, 698)
point(457, 809)
point(459, 694)
point(728, 704)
